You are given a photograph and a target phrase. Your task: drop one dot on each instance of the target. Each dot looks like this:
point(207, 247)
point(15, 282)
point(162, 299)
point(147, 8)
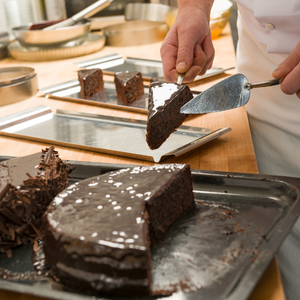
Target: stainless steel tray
point(107, 97)
point(149, 68)
point(221, 248)
point(106, 134)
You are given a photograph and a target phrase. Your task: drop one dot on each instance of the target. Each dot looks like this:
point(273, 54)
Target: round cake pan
point(135, 32)
point(147, 11)
point(17, 84)
point(51, 38)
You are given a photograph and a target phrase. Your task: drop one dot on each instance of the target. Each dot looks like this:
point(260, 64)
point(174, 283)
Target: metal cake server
point(230, 93)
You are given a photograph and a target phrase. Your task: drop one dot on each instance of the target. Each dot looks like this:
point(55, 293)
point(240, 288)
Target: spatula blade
point(227, 94)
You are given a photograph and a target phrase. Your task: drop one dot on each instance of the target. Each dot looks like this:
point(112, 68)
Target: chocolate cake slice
point(28, 185)
point(91, 81)
point(164, 117)
point(129, 85)
point(99, 230)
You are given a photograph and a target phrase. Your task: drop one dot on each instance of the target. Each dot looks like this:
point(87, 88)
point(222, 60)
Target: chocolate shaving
point(5, 190)
point(9, 253)
point(22, 207)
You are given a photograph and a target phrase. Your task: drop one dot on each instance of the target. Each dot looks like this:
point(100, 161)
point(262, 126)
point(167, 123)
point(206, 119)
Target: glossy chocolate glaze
point(109, 209)
point(161, 94)
point(124, 77)
point(86, 73)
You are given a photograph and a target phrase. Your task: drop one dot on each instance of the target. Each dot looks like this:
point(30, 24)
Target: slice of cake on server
point(164, 117)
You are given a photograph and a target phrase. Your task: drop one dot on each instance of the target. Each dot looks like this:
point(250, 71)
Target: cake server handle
point(180, 78)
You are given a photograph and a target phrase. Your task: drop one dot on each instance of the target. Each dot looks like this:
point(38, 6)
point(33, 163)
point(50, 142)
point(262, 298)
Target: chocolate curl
point(9, 253)
point(35, 246)
point(38, 233)
point(11, 216)
point(12, 233)
point(49, 155)
point(4, 191)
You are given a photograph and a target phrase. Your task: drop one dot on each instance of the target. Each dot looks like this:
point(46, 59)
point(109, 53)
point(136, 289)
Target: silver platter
point(99, 133)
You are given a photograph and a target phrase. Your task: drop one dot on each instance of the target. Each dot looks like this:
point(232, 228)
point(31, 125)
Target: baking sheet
point(216, 252)
point(149, 68)
point(106, 97)
point(99, 133)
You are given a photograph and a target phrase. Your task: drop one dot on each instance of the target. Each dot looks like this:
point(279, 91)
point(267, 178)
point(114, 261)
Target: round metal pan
point(147, 11)
point(52, 38)
point(17, 84)
point(14, 75)
point(135, 32)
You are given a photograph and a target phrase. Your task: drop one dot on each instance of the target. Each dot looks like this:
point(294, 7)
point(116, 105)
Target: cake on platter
point(99, 231)
point(91, 81)
point(129, 85)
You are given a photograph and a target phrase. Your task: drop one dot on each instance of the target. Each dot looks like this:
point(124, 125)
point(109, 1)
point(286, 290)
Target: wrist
point(202, 5)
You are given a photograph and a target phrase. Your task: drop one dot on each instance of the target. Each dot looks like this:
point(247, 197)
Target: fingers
point(289, 69)
point(288, 64)
point(202, 61)
point(199, 62)
point(291, 83)
point(209, 51)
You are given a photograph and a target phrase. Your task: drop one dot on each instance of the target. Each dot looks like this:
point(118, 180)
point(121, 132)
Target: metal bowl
point(135, 32)
point(52, 38)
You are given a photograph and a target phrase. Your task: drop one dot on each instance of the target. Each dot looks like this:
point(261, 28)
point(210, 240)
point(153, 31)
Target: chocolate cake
point(28, 185)
point(164, 117)
point(129, 86)
point(99, 230)
point(91, 81)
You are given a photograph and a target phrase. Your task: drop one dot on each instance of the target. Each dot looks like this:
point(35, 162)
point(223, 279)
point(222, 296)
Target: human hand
point(289, 69)
point(188, 47)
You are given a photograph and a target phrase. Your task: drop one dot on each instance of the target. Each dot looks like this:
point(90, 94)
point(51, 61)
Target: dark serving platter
point(219, 250)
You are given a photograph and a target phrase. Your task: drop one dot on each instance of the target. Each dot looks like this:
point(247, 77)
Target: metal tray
point(106, 97)
point(221, 248)
point(149, 68)
point(106, 134)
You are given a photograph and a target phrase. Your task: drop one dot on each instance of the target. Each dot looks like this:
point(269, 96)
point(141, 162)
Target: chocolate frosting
point(161, 94)
point(86, 73)
point(124, 77)
point(109, 210)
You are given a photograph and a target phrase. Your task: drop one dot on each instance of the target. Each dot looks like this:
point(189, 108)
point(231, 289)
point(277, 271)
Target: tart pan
point(17, 84)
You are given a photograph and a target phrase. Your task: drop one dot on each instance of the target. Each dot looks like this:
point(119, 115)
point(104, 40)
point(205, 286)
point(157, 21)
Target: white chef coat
point(268, 31)
point(274, 23)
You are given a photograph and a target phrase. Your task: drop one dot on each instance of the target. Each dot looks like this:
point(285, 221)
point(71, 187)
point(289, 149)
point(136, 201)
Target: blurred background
point(19, 12)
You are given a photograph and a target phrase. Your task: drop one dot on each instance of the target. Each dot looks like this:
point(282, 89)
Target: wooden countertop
point(232, 152)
